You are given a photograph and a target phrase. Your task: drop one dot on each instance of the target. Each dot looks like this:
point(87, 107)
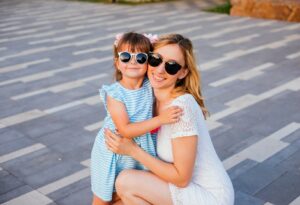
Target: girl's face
point(131, 69)
point(158, 76)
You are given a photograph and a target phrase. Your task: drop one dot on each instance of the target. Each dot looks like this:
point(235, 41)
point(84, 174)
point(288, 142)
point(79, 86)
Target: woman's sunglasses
point(171, 67)
point(140, 58)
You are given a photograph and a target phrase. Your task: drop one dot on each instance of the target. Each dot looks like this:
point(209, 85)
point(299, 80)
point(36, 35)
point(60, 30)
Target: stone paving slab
point(56, 54)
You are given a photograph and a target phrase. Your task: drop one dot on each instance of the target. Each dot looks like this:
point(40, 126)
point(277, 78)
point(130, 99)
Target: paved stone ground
point(55, 55)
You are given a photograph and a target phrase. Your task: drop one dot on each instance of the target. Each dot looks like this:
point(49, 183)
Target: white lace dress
point(210, 184)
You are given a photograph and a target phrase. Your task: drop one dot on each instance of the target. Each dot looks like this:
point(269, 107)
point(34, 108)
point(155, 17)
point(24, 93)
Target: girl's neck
point(131, 83)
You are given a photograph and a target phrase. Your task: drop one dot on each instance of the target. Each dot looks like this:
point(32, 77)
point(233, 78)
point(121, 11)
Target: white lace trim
point(176, 195)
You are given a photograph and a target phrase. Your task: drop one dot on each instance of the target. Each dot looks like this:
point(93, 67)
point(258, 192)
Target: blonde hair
point(136, 42)
point(191, 83)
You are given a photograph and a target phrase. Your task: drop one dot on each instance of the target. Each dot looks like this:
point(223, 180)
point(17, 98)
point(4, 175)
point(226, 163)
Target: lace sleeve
point(187, 125)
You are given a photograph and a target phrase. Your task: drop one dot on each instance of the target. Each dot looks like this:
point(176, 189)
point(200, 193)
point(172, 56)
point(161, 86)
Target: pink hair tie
point(118, 38)
point(152, 37)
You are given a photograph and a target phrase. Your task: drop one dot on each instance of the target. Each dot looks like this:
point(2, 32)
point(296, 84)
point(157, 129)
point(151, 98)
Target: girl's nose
point(132, 60)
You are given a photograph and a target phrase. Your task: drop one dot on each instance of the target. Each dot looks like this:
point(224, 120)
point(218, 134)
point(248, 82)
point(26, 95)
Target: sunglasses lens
point(124, 57)
point(141, 58)
point(172, 67)
point(154, 60)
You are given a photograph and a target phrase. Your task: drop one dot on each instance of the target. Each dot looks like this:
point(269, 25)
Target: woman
point(189, 171)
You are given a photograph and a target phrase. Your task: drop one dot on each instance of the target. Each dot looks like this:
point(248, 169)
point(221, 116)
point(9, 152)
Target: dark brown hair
point(136, 43)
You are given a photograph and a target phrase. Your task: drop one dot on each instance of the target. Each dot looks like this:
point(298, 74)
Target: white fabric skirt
point(195, 194)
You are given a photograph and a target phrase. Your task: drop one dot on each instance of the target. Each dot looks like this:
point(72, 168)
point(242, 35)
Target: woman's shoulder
point(188, 103)
point(185, 99)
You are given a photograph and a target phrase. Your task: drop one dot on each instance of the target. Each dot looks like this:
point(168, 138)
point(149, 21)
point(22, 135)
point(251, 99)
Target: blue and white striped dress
point(106, 165)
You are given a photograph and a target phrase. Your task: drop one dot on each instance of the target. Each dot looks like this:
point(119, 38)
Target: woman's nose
point(161, 68)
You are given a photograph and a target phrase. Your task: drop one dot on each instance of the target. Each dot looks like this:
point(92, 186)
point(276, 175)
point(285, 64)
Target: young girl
point(129, 111)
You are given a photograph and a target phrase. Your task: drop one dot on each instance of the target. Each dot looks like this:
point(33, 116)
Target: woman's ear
point(183, 74)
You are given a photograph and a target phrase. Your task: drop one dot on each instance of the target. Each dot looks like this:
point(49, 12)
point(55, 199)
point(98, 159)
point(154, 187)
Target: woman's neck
point(131, 83)
point(163, 96)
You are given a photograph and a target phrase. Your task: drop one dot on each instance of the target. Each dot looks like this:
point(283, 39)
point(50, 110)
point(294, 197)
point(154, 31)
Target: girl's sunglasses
point(171, 67)
point(140, 58)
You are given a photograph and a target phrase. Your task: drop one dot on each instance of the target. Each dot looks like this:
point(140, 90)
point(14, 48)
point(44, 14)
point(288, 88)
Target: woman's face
point(158, 76)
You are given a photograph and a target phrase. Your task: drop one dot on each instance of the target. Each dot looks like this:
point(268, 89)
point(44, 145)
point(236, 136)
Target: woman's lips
point(157, 78)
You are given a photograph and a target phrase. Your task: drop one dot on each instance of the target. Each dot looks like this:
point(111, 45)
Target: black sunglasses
point(171, 67)
point(140, 58)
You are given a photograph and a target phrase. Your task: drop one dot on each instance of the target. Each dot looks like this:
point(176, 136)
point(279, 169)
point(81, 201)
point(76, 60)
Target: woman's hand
point(119, 144)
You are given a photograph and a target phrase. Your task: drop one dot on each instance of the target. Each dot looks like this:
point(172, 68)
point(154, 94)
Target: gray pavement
point(55, 55)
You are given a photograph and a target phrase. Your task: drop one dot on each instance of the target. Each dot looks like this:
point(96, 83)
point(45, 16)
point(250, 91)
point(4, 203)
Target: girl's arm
point(178, 173)
point(128, 129)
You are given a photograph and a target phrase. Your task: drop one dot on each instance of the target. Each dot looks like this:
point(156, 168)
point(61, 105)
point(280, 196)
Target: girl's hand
point(118, 144)
point(170, 115)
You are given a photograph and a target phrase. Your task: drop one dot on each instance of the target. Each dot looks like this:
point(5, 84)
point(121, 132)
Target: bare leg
point(134, 200)
point(137, 187)
point(98, 201)
point(118, 203)
point(116, 200)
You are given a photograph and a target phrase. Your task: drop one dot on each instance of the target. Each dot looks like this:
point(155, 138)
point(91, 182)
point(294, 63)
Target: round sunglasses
point(171, 67)
point(140, 58)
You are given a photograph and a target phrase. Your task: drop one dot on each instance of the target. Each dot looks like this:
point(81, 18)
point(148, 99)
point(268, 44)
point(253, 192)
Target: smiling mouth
point(132, 68)
point(156, 78)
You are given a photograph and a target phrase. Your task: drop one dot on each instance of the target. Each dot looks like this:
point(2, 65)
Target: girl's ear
point(183, 73)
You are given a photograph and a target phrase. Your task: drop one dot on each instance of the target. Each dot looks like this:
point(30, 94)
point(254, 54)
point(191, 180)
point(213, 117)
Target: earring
point(179, 82)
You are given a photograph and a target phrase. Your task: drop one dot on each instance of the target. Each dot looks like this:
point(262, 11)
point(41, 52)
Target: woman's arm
point(178, 173)
point(127, 129)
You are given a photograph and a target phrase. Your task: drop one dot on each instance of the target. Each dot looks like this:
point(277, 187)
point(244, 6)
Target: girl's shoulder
point(145, 86)
point(119, 92)
point(109, 88)
point(113, 90)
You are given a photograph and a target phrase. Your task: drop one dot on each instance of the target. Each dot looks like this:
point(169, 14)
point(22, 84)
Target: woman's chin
point(156, 82)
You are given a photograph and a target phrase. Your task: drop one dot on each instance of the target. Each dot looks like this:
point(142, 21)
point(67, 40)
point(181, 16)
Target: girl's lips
point(133, 68)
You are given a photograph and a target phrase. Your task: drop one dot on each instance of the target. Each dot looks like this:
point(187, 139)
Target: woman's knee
point(124, 181)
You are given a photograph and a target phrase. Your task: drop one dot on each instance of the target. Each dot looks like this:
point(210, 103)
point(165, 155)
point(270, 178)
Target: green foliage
point(128, 2)
point(223, 8)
